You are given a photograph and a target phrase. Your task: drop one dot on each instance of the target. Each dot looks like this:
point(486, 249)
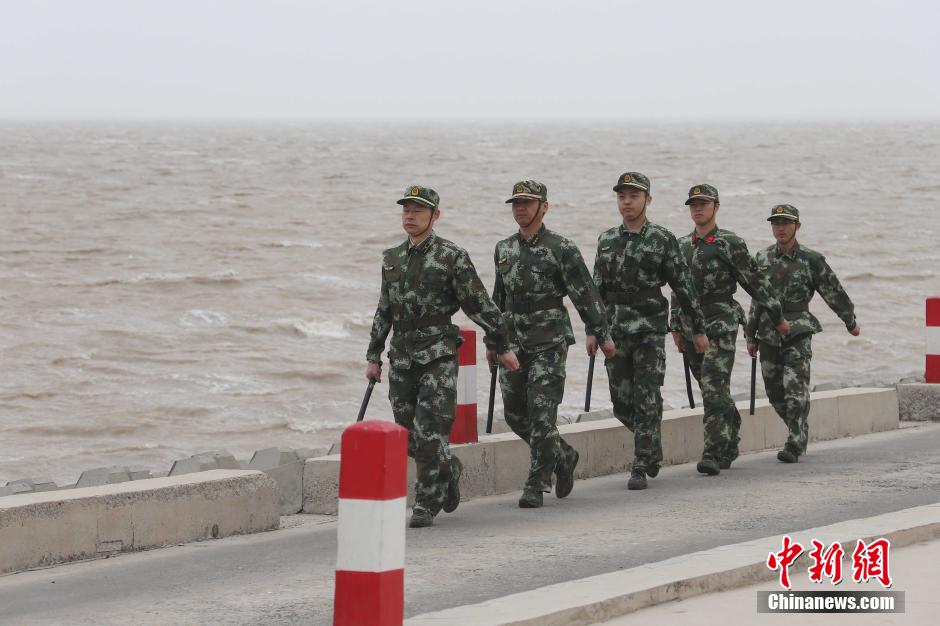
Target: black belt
point(527, 306)
point(715, 298)
point(402, 326)
point(629, 297)
point(795, 307)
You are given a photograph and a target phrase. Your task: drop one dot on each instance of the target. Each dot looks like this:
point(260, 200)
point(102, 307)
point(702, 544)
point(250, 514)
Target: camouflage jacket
point(628, 263)
point(719, 262)
point(541, 271)
point(434, 278)
point(798, 275)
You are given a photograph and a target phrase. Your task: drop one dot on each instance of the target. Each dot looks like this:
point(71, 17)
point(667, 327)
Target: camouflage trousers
point(531, 396)
point(785, 370)
point(722, 420)
point(424, 400)
point(636, 375)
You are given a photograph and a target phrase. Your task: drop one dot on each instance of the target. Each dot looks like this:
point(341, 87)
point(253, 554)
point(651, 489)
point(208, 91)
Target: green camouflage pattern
point(436, 277)
point(633, 179)
point(635, 375)
point(545, 266)
point(719, 262)
point(786, 369)
point(785, 211)
point(528, 190)
point(722, 420)
point(797, 276)
point(422, 195)
point(703, 191)
point(631, 262)
point(424, 400)
point(531, 396)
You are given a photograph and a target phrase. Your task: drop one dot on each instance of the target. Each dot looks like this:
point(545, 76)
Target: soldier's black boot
point(786, 456)
point(653, 470)
point(452, 501)
point(637, 480)
point(564, 473)
point(421, 518)
point(708, 466)
point(531, 499)
point(724, 464)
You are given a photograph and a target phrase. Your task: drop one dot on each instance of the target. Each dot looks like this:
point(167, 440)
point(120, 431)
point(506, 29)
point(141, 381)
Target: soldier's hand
point(509, 360)
point(783, 328)
point(856, 330)
point(700, 343)
point(609, 348)
point(752, 348)
point(590, 345)
point(491, 358)
point(374, 371)
point(680, 345)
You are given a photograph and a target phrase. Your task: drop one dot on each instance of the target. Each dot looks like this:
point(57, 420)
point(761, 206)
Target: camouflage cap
point(633, 179)
point(702, 192)
point(784, 211)
point(422, 195)
point(529, 190)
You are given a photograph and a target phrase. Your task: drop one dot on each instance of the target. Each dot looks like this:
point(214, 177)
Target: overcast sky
point(288, 59)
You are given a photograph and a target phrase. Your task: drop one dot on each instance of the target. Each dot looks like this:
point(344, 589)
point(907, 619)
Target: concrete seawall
point(499, 463)
point(39, 529)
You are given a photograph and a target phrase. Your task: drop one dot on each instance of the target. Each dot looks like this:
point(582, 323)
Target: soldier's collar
point(709, 237)
point(791, 253)
point(642, 232)
point(424, 245)
point(535, 238)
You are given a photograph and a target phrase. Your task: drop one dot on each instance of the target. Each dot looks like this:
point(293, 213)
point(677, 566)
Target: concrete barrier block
point(103, 476)
point(312, 453)
point(139, 472)
point(14, 488)
point(752, 426)
point(321, 484)
point(823, 419)
point(270, 458)
point(919, 401)
point(185, 466)
point(218, 459)
point(511, 459)
point(683, 436)
point(31, 486)
point(479, 468)
point(93, 521)
point(607, 445)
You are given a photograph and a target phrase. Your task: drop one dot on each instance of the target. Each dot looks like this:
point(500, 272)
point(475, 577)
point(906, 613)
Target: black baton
point(688, 379)
point(753, 380)
point(365, 400)
point(590, 383)
point(489, 410)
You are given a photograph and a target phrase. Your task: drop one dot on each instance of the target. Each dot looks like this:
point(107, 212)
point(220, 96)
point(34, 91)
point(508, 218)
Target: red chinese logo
point(783, 559)
point(826, 563)
point(871, 561)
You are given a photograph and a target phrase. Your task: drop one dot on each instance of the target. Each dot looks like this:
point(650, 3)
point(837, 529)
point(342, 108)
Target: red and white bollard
point(370, 562)
point(464, 429)
point(932, 371)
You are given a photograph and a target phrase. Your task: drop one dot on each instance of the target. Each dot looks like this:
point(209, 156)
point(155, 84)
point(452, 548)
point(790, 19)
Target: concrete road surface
point(489, 547)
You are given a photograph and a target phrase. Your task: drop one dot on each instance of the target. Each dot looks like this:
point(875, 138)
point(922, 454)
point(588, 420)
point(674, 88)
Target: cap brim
point(417, 199)
point(524, 196)
point(701, 197)
point(783, 216)
point(636, 185)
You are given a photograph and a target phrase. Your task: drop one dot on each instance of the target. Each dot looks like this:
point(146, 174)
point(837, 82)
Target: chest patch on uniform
point(388, 268)
point(503, 260)
point(605, 248)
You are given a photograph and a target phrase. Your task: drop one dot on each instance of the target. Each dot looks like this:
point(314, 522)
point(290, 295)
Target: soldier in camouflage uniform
point(634, 260)
point(535, 269)
point(425, 280)
point(719, 262)
point(798, 273)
